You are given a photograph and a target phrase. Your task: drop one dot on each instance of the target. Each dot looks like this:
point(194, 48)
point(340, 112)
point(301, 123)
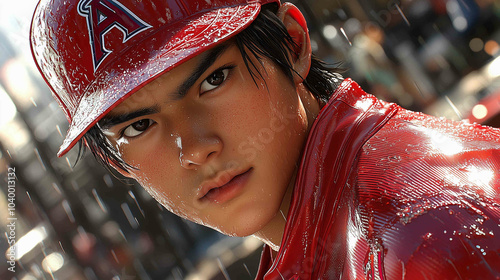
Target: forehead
point(179, 79)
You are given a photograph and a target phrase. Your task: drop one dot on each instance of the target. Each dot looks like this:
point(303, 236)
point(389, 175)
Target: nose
point(196, 151)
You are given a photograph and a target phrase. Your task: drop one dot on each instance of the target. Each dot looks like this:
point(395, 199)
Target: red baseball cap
point(93, 54)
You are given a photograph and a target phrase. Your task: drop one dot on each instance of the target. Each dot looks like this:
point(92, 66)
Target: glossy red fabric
point(385, 193)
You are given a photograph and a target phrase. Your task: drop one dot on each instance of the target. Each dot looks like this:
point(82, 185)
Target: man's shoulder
point(413, 152)
point(428, 193)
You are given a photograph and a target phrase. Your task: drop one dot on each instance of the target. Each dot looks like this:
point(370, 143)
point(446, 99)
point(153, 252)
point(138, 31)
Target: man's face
point(210, 145)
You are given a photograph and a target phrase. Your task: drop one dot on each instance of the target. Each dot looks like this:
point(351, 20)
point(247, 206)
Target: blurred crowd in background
point(440, 57)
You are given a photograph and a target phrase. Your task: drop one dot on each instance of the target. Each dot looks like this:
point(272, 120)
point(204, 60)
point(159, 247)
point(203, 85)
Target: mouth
point(225, 186)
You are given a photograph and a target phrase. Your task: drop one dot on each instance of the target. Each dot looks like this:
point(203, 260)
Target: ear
point(296, 26)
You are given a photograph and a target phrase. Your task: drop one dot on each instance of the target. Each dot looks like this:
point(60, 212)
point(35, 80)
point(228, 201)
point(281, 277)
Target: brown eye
point(214, 80)
point(137, 128)
point(141, 125)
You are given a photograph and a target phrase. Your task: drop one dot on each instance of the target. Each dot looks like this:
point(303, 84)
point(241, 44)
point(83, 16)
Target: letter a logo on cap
point(102, 16)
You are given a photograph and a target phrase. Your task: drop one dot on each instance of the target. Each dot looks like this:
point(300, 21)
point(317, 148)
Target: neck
point(272, 233)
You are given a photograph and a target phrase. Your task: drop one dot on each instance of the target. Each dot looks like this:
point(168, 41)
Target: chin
point(241, 232)
point(247, 224)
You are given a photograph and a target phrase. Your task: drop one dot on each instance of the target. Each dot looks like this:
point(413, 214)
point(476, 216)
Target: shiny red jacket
point(385, 193)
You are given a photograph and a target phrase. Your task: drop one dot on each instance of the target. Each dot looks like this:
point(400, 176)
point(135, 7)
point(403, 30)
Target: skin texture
point(223, 125)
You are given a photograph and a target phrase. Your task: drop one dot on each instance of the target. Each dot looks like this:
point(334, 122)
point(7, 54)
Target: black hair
point(265, 37)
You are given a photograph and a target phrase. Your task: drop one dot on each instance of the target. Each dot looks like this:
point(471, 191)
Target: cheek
point(268, 120)
point(149, 158)
point(152, 153)
point(157, 171)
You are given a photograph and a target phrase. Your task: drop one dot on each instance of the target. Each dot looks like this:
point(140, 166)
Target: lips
point(224, 187)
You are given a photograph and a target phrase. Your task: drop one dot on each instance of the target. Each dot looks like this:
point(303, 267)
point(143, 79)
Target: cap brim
point(152, 57)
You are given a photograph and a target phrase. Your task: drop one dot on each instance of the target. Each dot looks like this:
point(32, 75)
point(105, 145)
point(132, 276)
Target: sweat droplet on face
point(178, 142)
point(121, 141)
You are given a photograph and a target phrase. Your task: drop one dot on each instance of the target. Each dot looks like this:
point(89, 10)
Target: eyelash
point(122, 132)
point(221, 69)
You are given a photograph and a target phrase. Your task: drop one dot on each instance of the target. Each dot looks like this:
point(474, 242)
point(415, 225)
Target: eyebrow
point(206, 61)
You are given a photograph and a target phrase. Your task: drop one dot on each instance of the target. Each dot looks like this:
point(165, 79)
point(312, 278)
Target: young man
point(219, 110)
